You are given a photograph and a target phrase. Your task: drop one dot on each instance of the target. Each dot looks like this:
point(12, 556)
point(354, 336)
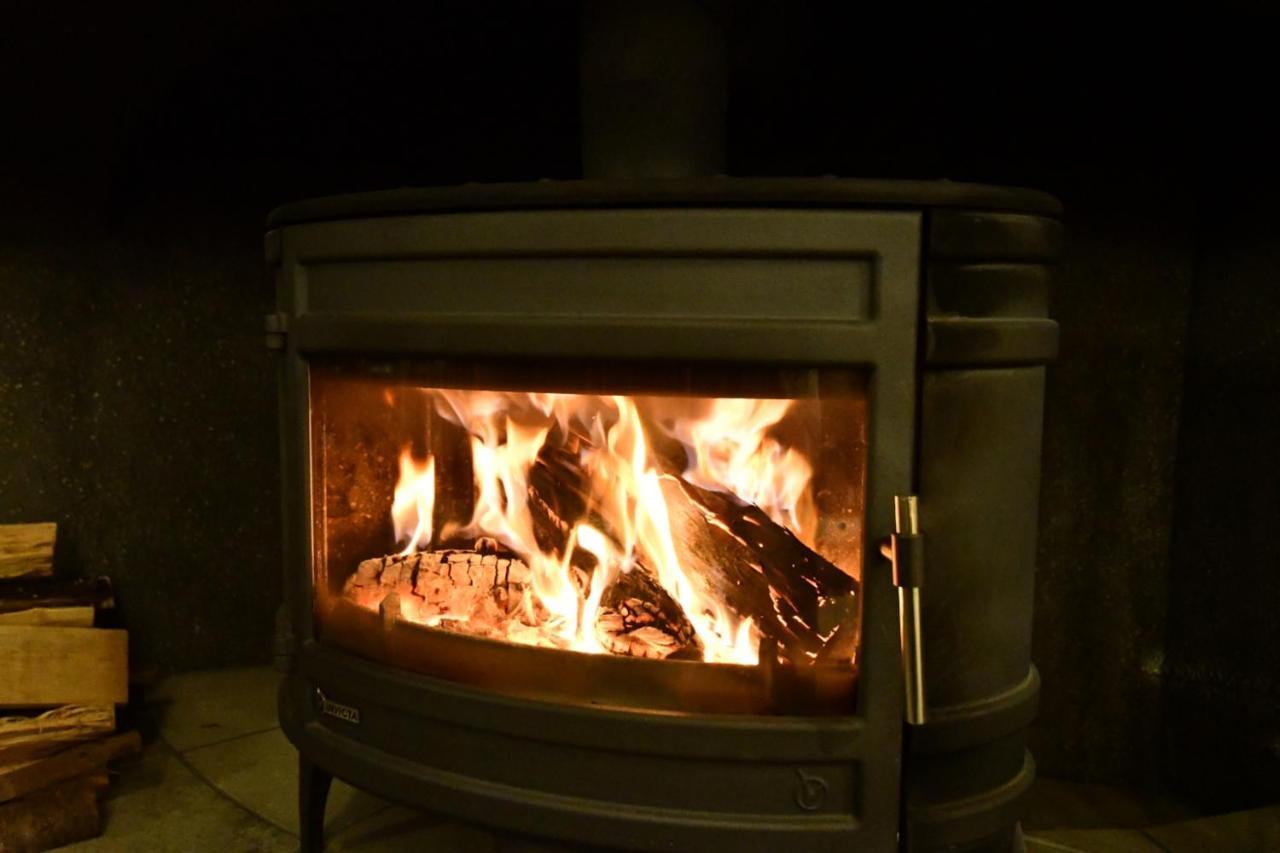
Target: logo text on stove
point(336, 709)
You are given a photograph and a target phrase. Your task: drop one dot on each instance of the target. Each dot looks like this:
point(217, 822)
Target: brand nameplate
point(336, 709)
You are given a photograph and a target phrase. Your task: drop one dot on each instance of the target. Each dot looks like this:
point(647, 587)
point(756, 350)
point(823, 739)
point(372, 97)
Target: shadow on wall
point(1221, 734)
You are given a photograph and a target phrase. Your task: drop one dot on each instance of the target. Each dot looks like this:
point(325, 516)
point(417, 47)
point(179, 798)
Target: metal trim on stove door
point(400, 286)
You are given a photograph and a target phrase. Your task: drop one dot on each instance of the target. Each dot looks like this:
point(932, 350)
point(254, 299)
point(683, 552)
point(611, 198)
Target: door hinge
point(277, 327)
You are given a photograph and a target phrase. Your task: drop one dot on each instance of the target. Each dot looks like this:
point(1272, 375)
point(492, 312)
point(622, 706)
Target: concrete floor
point(220, 777)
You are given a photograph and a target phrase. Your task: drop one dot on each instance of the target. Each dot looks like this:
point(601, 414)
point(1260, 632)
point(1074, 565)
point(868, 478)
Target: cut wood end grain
point(52, 617)
point(51, 817)
point(88, 758)
point(26, 550)
point(43, 667)
point(25, 738)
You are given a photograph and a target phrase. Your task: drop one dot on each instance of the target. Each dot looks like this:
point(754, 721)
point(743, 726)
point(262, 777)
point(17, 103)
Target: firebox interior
point(644, 535)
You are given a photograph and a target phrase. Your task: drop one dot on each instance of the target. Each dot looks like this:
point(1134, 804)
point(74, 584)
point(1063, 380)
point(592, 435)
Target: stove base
point(313, 794)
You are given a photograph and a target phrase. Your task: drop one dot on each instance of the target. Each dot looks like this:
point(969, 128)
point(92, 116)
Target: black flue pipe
point(654, 87)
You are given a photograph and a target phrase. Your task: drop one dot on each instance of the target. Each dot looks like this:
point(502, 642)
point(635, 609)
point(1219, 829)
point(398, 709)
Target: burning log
point(441, 588)
point(694, 572)
point(637, 616)
point(483, 594)
point(760, 570)
point(739, 555)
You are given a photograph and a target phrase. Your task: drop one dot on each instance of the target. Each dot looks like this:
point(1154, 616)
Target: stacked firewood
point(60, 681)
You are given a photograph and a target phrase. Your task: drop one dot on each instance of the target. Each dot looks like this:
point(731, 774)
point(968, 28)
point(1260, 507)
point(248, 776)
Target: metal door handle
point(905, 549)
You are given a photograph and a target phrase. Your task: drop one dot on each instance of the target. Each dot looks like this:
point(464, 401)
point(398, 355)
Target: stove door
point(508, 440)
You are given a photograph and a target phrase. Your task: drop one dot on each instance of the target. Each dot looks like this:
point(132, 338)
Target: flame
point(627, 520)
point(641, 509)
point(597, 544)
point(414, 502)
point(731, 451)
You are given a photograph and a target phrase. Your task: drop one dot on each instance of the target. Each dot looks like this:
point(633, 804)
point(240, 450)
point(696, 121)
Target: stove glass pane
point(645, 535)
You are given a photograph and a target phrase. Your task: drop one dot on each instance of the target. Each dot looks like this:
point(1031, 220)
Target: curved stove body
point(584, 487)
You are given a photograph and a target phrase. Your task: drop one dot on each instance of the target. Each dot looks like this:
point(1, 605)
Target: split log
point(481, 588)
point(803, 606)
point(759, 569)
point(26, 550)
point(734, 551)
point(28, 738)
point(25, 595)
point(637, 616)
point(430, 575)
point(53, 817)
point(87, 758)
point(51, 617)
point(42, 667)
point(481, 593)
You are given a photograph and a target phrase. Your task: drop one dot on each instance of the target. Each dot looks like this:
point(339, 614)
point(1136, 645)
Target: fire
point(414, 502)
point(626, 521)
point(731, 450)
point(642, 510)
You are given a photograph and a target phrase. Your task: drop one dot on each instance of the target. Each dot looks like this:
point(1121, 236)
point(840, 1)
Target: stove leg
point(313, 793)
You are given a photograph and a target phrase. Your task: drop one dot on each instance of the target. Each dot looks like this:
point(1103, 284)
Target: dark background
point(139, 156)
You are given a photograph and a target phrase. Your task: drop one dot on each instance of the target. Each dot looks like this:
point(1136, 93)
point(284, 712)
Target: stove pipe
point(654, 86)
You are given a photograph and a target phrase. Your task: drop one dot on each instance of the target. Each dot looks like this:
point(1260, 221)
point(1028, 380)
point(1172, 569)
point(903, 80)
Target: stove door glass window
point(674, 537)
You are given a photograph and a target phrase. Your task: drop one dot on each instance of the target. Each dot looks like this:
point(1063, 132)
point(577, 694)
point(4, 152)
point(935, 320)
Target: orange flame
point(414, 502)
point(641, 510)
point(728, 448)
point(731, 451)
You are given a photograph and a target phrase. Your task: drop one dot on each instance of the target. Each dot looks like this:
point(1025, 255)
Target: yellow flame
point(729, 449)
point(640, 510)
point(414, 502)
point(597, 544)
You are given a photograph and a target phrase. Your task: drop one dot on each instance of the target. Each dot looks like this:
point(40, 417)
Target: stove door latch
point(905, 550)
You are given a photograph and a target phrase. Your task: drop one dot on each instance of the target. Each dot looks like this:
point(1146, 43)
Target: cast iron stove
point(607, 503)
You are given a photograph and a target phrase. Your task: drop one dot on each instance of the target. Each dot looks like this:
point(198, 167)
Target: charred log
point(484, 594)
point(738, 555)
point(760, 570)
point(637, 616)
point(445, 588)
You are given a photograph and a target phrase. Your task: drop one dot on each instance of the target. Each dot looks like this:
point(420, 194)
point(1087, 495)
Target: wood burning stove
point(590, 507)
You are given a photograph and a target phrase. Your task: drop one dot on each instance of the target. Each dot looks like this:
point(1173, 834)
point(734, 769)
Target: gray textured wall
point(136, 401)
point(1112, 408)
point(1221, 667)
point(135, 408)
